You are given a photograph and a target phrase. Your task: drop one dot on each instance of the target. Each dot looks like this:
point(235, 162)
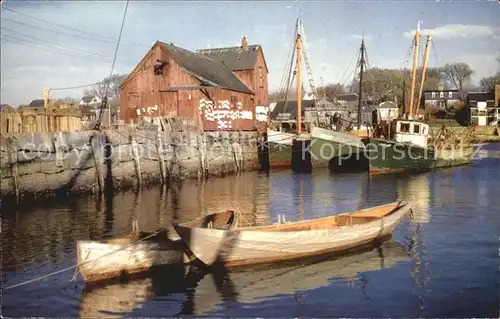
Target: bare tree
point(488, 83)
point(457, 74)
point(329, 91)
point(99, 89)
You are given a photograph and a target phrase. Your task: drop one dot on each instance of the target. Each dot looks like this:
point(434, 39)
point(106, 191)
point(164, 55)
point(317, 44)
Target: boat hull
point(279, 146)
point(102, 261)
point(130, 255)
point(240, 247)
point(386, 156)
point(328, 145)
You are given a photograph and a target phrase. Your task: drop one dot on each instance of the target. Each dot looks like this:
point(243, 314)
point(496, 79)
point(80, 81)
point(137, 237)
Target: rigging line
point(288, 67)
point(51, 43)
point(433, 47)
point(105, 98)
point(349, 67)
point(70, 28)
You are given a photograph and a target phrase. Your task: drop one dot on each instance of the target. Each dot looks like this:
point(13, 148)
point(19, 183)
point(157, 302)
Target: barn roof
point(208, 71)
point(38, 103)
point(290, 107)
point(347, 97)
point(235, 58)
point(7, 108)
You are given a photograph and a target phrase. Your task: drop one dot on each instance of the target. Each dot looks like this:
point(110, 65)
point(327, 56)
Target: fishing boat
point(405, 146)
point(327, 145)
point(345, 147)
point(280, 148)
point(140, 251)
point(292, 240)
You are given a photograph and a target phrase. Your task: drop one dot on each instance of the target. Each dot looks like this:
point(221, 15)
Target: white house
point(90, 100)
point(387, 111)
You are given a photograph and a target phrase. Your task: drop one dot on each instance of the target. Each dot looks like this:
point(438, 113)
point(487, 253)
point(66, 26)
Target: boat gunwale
point(399, 205)
point(167, 243)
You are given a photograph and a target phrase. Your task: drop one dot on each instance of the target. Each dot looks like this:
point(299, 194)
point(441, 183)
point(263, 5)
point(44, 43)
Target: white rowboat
point(274, 243)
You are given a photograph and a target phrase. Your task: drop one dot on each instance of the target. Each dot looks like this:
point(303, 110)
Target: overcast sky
point(78, 46)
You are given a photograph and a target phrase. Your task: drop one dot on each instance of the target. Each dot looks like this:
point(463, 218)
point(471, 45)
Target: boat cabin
point(412, 131)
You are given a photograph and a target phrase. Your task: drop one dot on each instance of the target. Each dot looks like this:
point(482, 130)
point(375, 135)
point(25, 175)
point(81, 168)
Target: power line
point(43, 40)
point(18, 41)
point(65, 33)
point(76, 87)
point(74, 29)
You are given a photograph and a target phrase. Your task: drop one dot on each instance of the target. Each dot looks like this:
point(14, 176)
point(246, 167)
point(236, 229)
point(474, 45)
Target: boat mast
point(299, 82)
point(360, 93)
point(414, 74)
point(426, 58)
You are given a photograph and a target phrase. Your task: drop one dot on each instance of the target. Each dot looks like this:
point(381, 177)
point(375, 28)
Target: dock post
point(161, 159)
point(14, 168)
point(95, 145)
point(135, 153)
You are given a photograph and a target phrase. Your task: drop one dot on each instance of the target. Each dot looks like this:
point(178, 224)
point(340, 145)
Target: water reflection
point(206, 292)
point(417, 191)
point(463, 204)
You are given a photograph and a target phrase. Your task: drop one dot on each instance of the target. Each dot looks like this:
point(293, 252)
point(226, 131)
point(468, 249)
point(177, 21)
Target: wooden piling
point(14, 169)
point(95, 144)
point(223, 151)
point(235, 155)
point(202, 172)
point(58, 151)
point(137, 166)
point(161, 159)
point(174, 163)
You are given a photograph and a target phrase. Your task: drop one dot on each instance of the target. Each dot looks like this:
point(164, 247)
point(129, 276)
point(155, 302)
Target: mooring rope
point(80, 264)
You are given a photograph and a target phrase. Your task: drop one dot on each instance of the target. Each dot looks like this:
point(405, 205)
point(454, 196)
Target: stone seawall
point(41, 164)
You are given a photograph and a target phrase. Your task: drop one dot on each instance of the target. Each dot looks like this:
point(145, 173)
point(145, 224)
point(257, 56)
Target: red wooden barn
point(219, 88)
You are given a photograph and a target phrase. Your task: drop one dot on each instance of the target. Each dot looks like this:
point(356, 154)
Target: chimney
point(244, 43)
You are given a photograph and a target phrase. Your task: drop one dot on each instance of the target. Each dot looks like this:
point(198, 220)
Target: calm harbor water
point(441, 263)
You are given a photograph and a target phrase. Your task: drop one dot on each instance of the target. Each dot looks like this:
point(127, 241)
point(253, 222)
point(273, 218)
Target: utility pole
point(360, 94)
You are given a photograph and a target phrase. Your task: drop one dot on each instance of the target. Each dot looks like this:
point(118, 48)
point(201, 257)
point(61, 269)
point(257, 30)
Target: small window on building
point(7, 126)
point(234, 101)
point(450, 95)
point(433, 94)
point(424, 130)
point(441, 94)
point(416, 129)
point(405, 127)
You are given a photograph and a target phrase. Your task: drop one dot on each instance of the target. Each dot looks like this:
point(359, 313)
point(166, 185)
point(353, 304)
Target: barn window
point(234, 100)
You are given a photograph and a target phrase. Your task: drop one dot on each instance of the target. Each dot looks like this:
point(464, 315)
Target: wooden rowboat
point(263, 244)
point(140, 251)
